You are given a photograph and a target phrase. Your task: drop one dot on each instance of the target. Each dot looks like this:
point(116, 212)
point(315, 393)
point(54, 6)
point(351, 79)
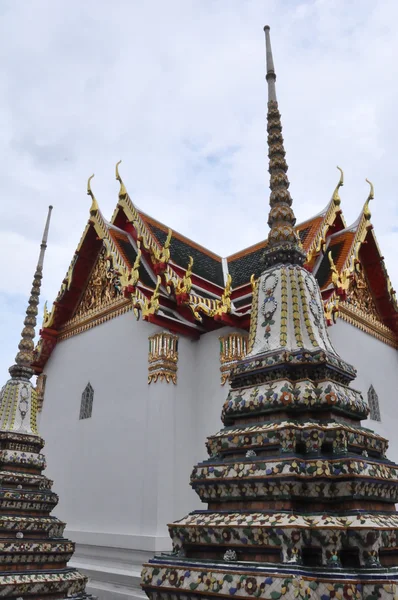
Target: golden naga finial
point(152, 304)
point(331, 308)
point(336, 196)
point(130, 278)
point(122, 191)
point(48, 317)
point(366, 212)
point(253, 282)
point(184, 285)
point(94, 204)
point(341, 281)
point(225, 304)
point(162, 255)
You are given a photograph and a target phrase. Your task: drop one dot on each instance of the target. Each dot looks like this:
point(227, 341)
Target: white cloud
point(177, 91)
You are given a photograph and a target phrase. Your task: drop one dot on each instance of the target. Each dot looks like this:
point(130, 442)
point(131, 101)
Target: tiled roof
point(242, 268)
point(308, 230)
point(242, 265)
point(206, 264)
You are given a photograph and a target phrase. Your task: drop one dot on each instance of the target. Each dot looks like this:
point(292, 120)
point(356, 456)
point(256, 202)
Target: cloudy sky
point(176, 89)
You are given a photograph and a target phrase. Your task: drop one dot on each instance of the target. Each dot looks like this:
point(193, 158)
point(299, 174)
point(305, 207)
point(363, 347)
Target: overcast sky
point(176, 89)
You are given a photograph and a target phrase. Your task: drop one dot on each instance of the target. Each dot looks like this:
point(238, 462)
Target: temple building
point(34, 553)
point(135, 360)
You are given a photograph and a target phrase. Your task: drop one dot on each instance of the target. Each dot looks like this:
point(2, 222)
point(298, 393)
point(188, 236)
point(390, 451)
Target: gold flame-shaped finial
point(366, 212)
point(94, 204)
point(122, 191)
point(336, 195)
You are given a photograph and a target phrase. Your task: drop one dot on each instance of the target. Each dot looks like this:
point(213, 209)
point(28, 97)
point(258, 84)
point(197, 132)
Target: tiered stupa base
point(33, 552)
point(301, 498)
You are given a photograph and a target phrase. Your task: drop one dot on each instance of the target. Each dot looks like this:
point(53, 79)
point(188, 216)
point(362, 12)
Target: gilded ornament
point(163, 357)
point(183, 286)
point(341, 281)
point(48, 317)
point(224, 305)
point(366, 212)
point(152, 304)
point(122, 191)
point(94, 204)
point(233, 347)
point(130, 277)
point(102, 290)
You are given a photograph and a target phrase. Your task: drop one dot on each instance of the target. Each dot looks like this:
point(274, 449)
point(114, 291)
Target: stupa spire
point(300, 498)
point(271, 75)
point(283, 243)
point(23, 360)
point(35, 553)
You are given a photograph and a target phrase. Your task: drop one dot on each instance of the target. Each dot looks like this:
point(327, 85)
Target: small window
point(86, 406)
point(373, 401)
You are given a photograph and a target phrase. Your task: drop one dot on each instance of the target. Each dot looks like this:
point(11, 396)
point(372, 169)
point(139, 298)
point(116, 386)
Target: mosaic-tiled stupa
point(300, 498)
point(33, 552)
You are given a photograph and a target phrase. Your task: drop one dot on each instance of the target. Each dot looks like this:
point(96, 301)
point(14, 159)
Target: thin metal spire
point(23, 361)
point(271, 75)
point(283, 243)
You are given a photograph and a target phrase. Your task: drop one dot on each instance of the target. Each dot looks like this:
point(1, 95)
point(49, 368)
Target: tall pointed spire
point(283, 243)
point(300, 498)
point(34, 548)
point(23, 361)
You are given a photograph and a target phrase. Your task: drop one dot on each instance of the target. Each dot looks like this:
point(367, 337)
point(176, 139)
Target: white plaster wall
point(90, 459)
point(377, 365)
point(123, 474)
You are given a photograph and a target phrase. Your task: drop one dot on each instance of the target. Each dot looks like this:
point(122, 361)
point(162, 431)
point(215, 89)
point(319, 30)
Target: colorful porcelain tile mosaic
point(33, 552)
point(301, 498)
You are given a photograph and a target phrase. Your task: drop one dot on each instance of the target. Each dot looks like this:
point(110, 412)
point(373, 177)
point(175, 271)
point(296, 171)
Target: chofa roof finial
point(94, 204)
point(366, 212)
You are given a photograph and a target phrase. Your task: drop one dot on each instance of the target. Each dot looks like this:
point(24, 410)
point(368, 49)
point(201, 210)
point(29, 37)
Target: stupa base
point(163, 579)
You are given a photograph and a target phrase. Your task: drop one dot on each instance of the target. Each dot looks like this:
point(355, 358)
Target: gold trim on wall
point(163, 357)
point(360, 319)
point(233, 347)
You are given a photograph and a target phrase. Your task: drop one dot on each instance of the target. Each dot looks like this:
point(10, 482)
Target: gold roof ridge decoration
point(155, 259)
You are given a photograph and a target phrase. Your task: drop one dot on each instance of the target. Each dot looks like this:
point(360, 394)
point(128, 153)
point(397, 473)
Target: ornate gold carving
point(163, 357)
point(341, 281)
point(233, 347)
point(366, 212)
point(122, 191)
point(162, 255)
point(359, 309)
point(319, 242)
point(72, 328)
point(183, 286)
point(336, 196)
point(352, 260)
point(374, 328)
point(94, 204)
point(198, 305)
point(331, 308)
point(152, 304)
point(224, 305)
point(103, 288)
point(360, 297)
point(130, 278)
point(40, 389)
point(48, 317)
